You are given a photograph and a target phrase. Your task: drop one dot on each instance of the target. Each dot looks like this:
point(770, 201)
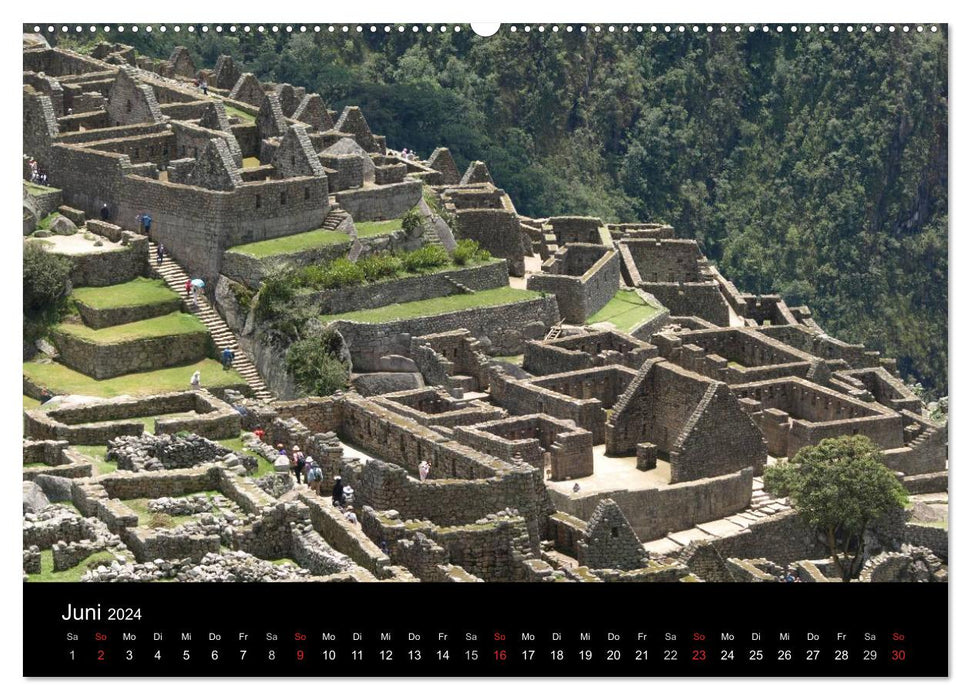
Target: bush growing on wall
point(47, 284)
point(467, 251)
point(314, 365)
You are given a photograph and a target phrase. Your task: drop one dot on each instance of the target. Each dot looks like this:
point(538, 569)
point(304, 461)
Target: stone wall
point(111, 266)
point(496, 230)
point(344, 536)
point(417, 288)
point(654, 513)
point(251, 270)
point(102, 318)
point(380, 202)
point(585, 351)
point(103, 361)
point(505, 327)
point(582, 295)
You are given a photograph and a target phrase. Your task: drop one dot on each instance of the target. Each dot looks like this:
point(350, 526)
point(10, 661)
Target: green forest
point(810, 164)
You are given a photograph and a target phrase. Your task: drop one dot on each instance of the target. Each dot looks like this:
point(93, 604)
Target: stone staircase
point(175, 277)
point(335, 217)
point(461, 288)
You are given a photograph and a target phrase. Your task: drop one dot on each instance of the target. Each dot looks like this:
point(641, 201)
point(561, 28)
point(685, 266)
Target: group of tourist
point(202, 85)
point(304, 467)
point(36, 176)
point(790, 576)
point(409, 155)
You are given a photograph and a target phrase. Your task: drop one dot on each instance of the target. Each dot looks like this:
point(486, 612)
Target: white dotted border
point(513, 28)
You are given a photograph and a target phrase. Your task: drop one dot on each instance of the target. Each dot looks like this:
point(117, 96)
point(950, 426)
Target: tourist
point(349, 514)
point(160, 254)
point(205, 87)
point(348, 495)
point(196, 381)
point(188, 288)
point(337, 494)
point(105, 212)
point(423, 469)
point(260, 434)
point(314, 475)
point(228, 356)
point(195, 295)
point(576, 488)
point(299, 461)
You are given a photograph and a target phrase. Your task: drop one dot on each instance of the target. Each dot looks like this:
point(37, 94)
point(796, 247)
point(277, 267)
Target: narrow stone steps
point(175, 277)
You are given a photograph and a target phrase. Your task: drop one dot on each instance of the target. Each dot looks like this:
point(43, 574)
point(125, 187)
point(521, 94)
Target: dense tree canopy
point(841, 488)
point(814, 164)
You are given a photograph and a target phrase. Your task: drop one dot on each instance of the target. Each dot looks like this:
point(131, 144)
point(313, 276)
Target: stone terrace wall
point(506, 326)
point(108, 267)
point(653, 513)
point(380, 203)
point(418, 288)
point(124, 357)
point(103, 318)
point(251, 270)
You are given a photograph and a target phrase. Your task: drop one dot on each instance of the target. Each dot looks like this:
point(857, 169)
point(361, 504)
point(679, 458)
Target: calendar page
point(359, 337)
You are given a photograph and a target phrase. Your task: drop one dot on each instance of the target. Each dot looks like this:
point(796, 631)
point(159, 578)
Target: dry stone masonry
point(514, 440)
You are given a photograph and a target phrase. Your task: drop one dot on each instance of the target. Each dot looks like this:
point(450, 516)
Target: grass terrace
point(34, 188)
point(232, 111)
point(625, 311)
point(296, 243)
point(96, 455)
point(48, 575)
point(367, 229)
point(137, 292)
point(437, 306)
point(176, 323)
point(63, 380)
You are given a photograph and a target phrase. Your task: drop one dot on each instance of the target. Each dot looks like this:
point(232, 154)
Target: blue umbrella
point(198, 283)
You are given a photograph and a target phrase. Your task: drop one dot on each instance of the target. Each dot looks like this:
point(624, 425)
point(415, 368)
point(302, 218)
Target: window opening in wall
point(283, 198)
point(614, 532)
point(128, 106)
point(306, 193)
point(257, 201)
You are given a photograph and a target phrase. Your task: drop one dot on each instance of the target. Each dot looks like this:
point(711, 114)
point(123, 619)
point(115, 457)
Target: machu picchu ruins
point(517, 399)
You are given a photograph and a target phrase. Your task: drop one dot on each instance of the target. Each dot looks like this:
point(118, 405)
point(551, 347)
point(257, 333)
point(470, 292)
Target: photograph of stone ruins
point(233, 286)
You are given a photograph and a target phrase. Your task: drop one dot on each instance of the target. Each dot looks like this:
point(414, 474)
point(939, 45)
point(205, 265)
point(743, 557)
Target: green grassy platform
point(296, 243)
point(176, 323)
point(625, 311)
point(47, 573)
point(366, 229)
point(137, 292)
point(63, 380)
point(436, 305)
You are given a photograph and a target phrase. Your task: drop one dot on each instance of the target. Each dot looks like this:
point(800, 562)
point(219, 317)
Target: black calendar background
point(429, 629)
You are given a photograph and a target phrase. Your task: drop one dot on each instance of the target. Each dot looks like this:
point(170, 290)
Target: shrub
point(411, 220)
point(381, 266)
point(426, 258)
point(467, 251)
point(342, 273)
point(47, 284)
point(314, 365)
point(161, 520)
point(277, 290)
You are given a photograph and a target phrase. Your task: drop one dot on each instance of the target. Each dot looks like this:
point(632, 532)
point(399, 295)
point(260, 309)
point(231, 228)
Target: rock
point(374, 383)
point(63, 226)
point(56, 488)
point(42, 233)
point(46, 347)
point(34, 498)
point(396, 363)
